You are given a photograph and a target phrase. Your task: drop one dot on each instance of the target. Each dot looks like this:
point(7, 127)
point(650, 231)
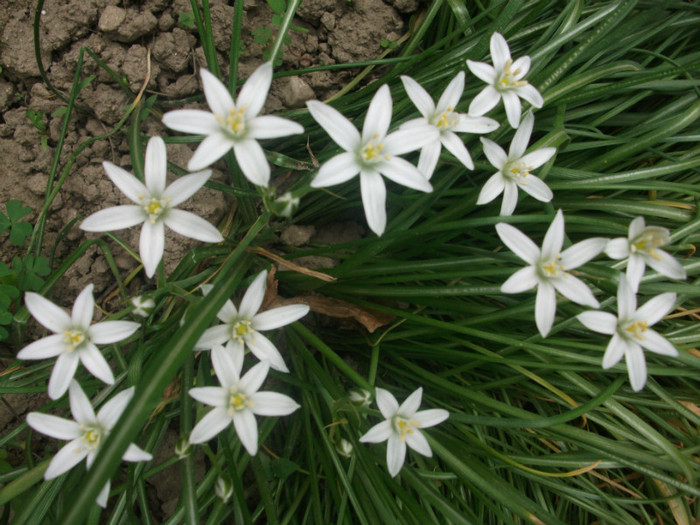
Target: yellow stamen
point(73, 339)
point(241, 331)
point(637, 329)
point(91, 437)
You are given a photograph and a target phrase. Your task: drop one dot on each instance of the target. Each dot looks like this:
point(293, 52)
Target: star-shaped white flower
point(155, 206)
point(86, 433)
point(142, 306)
point(237, 400)
point(74, 339)
point(631, 331)
point(234, 124)
point(549, 268)
point(514, 169)
point(372, 154)
point(446, 121)
point(642, 247)
point(242, 326)
point(401, 427)
point(505, 81)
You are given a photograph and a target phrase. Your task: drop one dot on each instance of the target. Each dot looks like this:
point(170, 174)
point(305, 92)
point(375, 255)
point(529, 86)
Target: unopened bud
point(361, 397)
point(344, 448)
point(223, 488)
point(183, 448)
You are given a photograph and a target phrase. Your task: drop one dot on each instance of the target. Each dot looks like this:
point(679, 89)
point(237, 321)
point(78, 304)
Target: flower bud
point(142, 306)
point(183, 448)
point(344, 448)
point(361, 397)
point(223, 488)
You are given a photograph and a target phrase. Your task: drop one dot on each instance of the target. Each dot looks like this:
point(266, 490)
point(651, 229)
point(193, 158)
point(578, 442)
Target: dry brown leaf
point(291, 266)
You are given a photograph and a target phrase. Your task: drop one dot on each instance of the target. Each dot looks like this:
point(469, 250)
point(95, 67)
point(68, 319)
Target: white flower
point(642, 247)
point(505, 80)
point(344, 448)
point(223, 488)
point(446, 121)
point(362, 397)
point(86, 433)
point(74, 339)
point(234, 124)
point(242, 327)
point(401, 427)
point(142, 307)
point(514, 169)
point(287, 204)
point(548, 269)
point(372, 154)
point(155, 206)
point(237, 400)
point(631, 331)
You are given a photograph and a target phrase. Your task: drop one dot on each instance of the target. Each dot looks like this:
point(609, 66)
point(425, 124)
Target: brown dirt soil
point(122, 33)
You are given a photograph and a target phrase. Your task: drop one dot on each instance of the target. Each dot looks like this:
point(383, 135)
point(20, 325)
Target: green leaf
point(16, 210)
point(283, 468)
point(20, 232)
point(277, 6)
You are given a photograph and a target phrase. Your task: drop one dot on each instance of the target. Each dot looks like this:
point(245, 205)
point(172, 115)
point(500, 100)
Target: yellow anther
point(73, 339)
point(637, 329)
point(241, 331)
point(553, 268)
point(507, 79)
point(370, 152)
point(91, 437)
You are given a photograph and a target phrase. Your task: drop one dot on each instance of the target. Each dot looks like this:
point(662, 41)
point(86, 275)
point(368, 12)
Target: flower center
point(517, 171)
point(371, 152)
point(637, 329)
point(73, 339)
point(446, 120)
point(648, 241)
point(241, 331)
point(154, 208)
point(91, 437)
point(234, 123)
point(553, 268)
point(405, 426)
point(508, 80)
point(237, 401)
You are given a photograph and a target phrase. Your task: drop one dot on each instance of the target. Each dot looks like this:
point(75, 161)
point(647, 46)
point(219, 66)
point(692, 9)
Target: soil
point(122, 34)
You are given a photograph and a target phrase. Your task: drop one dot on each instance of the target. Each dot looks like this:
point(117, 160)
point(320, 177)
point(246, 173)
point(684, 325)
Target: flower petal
point(278, 317)
point(216, 335)
point(270, 127)
point(52, 426)
point(655, 342)
point(636, 228)
point(65, 459)
point(405, 140)
point(497, 157)
point(387, 403)
point(113, 409)
point(80, 406)
point(378, 115)
point(529, 93)
point(191, 121)
point(247, 430)
point(536, 187)
point(455, 146)
point(419, 96)
point(636, 366)
point(411, 404)
point(340, 129)
point(538, 157)
point(554, 238)
point(126, 182)
point(626, 300)
point(218, 97)
point(453, 92)
point(272, 404)
point(251, 382)
point(574, 289)
point(635, 270)
point(226, 366)
point(431, 417)
point(228, 312)
point(521, 139)
point(378, 433)
point(484, 102)
point(403, 172)
point(582, 252)
point(500, 52)
point(45, 348)
point(520, 67)
point(519, 243)
point(416, 440)
point(545, 307)
point(155, 165)
point(113, 218)
point(135, 453)
point(655, 309)
point(615, 350)
point(211, 149)
point(617, 248)
point(373, 199)
point(210, 425)
point(252, 161)
point(186, 186)
point(192, 226)
point(471, 124)
point(96, 364)
point(492, 189)
point(253, 297)
point(62, 374)
point(666, 264)
point(263, 349)
point(483, 71)
point(601, 322)
point(428, 159)
point(83, 308)
point(108, 332)
point(513, 108)
point(214, 396)
point(47, 313)
point(103, 496)
point(254, 92)
point(336, 170)
point(521, 281)
point(395, 454)
point(510, 198)
point(151, 245)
